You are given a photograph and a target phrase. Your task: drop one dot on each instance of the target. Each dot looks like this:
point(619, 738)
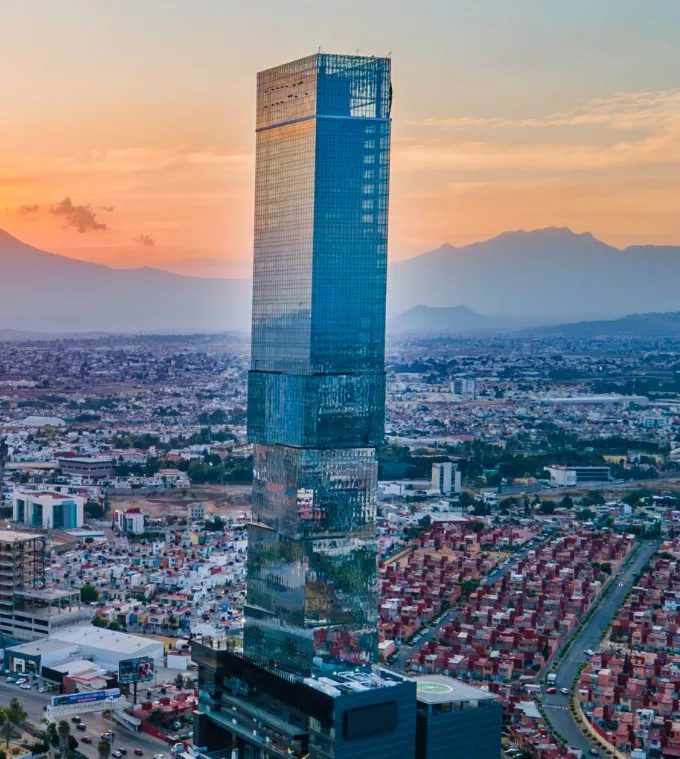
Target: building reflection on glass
point(316, 388)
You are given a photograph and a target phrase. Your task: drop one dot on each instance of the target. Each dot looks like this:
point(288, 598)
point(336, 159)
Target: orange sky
point(126, 132)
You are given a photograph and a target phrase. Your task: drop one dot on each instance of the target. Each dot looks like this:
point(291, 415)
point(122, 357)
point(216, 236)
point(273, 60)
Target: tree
point(214, 525)
point(103, 749)
point(566, 502)
point(6, 727)
point(16, 712)
point(64, 733)
point(93, 510)
point(585, 515)
point(115, 625)
point(547, 507)
point(469, 586)
point(179, 680)
point(157, 717)
point(89, 594)
point(99, 622)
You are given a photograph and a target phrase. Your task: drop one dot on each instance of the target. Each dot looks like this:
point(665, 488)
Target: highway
point(96, 724)
point(557, 705)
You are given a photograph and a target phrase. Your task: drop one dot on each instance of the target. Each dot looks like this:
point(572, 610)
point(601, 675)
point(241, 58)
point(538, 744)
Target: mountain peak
point(547, 234)
point(442, 319)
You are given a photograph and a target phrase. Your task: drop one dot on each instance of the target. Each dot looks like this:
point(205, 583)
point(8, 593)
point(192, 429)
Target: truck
point(552, 678)
point(532, 688)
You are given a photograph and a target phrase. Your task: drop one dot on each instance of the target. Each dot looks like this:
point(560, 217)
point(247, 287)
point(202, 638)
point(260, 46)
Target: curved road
point(557, 705)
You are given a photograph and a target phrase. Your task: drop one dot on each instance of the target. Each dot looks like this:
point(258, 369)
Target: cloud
point(623, 111)
point(27, 210)
point(146, 160)
point(145, 240)
point(641, 130)
point(82, 218)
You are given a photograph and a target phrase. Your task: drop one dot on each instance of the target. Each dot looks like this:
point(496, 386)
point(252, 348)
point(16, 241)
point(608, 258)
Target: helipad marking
point(434, 688)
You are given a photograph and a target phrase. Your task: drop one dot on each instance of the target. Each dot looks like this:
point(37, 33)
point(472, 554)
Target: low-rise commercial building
point(47, 509)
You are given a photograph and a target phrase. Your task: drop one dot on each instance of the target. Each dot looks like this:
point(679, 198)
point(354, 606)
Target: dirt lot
point(227, 500)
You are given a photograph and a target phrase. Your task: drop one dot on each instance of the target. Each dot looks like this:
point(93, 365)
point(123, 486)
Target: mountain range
point(441, 321)
point(548, 275)
point(652, 325)
point(45, 292)
point(544, 276)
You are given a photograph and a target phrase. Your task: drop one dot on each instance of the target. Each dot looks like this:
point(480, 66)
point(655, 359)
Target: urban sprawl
point(525, 485)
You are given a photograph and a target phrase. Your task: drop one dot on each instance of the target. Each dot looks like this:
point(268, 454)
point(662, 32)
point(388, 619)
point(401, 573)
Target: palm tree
point(6, 728)
point(104, 748)
point(64, 733)
point(16, 713)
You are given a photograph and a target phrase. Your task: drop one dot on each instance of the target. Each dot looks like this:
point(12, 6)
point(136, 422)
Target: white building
point(568, 476)
point(130, 520)
point(47, 509)
point(195, 512)
point(107, 648)
point(464, 387)
point(446, 478)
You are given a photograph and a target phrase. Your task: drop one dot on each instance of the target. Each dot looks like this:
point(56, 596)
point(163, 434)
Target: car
point(551, 690)
point(116, 754)
point(86, 739)
point(20, 681)
point(138, 752)
point(123, 751)
point(159, 756)
point(25, 686)
point(81, 727)
point(76, 720)
point(594, 752)
point(564, 691)
point(107, 735)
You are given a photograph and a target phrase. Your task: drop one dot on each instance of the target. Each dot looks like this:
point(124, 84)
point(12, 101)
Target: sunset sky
point(126, 128)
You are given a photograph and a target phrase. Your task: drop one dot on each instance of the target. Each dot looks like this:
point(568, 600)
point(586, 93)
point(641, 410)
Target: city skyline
point(521, 117)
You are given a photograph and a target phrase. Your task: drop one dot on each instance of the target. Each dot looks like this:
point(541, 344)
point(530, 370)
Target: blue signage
point(90, 697)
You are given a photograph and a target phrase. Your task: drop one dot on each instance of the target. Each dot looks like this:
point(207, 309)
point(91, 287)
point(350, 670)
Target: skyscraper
point(316, 388)
point(305, 686)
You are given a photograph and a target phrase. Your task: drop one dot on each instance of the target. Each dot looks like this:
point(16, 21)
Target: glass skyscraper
point(316, 390)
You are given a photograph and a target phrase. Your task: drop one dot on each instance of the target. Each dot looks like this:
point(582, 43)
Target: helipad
point(438, 689)
point(425, 687)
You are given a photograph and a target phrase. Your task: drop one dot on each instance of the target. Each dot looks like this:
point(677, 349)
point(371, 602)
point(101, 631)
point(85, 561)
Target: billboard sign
point(135, 670)
point(73, 699)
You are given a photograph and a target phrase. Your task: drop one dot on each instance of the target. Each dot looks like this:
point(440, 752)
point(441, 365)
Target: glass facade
point(316, 391)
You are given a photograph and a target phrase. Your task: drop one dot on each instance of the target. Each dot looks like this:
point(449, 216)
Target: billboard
point(135, 670)
point(72, 699)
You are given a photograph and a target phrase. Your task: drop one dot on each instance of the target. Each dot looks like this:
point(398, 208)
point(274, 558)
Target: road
point(557, 705)
point(96, 724)
point(405, 651)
